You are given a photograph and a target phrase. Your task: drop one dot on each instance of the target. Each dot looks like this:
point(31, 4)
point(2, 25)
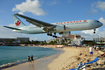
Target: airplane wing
point(36, 22)
point(12, 28)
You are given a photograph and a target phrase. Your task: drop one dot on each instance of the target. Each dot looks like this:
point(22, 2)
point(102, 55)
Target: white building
point(78, 41)
point(99, 40)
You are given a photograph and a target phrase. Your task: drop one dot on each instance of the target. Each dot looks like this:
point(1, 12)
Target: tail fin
point(17, 21)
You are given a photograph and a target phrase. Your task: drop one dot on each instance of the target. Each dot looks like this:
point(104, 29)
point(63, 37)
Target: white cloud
point(90, 31)
point(21, 13)
point(49, 37)
point(35, 38)
point(89, 35)
point(2, 11)
point(92, 8)
point(30, 6)
point(97, 5)
point(102, 20)
point(100, 5)
point(11, 25)
point(53, 3)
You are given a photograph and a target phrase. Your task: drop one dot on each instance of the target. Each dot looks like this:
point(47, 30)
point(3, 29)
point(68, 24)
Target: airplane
point(62, 28)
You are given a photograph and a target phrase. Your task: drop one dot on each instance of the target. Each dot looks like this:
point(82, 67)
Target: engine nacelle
point(60, 28)
point(65, 33)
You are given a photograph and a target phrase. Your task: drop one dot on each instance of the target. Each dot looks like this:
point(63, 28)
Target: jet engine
point(60, 28)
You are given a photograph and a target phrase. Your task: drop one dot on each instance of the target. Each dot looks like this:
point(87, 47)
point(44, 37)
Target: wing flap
point(12, 28)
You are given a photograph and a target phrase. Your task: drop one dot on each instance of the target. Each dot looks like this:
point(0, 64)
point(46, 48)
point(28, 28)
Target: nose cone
point(100, 24)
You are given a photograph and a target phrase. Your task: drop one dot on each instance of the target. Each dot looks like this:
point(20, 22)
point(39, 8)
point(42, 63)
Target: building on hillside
point(78, 41)
point(73, 39)
point(14, 40)
point(74, 36)
point(24, 39)
point(99, 40)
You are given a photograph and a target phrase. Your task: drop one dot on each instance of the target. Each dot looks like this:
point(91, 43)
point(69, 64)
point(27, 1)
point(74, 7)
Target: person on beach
point(28, 58)
point(103, 55)
point(94, 47)
point(91, 50)
point(32, 60)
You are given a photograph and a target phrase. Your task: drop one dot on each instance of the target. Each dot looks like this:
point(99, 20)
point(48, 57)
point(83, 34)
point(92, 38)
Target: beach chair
point(74, 69)
point(94, 61)
point(80, 67)
point(83, 66)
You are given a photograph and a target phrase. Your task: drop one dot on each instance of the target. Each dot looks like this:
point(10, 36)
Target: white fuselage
point(70, 26)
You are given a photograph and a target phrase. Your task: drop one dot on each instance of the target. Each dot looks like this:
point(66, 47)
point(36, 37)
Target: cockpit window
point(97, 21)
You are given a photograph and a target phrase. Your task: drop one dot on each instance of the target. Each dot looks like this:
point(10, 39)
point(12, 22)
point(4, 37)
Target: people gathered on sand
point(91, 50)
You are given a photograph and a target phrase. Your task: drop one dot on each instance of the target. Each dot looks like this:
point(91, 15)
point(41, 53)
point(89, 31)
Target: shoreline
point(37, 62)
point(33, 45)
point(68, 59)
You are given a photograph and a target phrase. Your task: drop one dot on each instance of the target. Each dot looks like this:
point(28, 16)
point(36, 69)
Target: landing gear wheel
point(94, 31)
point(54, 36)
point(48, 34)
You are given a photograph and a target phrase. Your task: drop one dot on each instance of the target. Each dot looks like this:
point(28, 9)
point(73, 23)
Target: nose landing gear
point(94, 31)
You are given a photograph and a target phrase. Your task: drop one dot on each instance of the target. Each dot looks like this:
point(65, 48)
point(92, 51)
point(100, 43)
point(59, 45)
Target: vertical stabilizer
point(17, 21)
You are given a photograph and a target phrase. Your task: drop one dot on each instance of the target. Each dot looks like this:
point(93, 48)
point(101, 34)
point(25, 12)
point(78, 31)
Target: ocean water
point(18, 54)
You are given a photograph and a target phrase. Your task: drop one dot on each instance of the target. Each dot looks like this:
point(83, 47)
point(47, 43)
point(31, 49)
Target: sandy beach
point(63, 60)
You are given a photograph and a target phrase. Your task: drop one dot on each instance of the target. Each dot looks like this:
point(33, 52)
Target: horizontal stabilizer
point(12, 28)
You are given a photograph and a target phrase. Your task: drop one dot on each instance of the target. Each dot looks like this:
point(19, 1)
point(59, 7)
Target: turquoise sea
point(18, 54)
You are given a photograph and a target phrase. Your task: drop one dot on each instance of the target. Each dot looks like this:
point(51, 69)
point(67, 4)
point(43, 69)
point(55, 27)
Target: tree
point(45, 42)
point(51, 42)
point(11, 41)
point(28, 42)
point(22, 42)
point(89, 42)
point(65, 39)
point(101, 41)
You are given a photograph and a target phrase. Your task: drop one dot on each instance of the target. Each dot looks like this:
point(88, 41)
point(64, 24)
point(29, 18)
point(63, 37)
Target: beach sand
point(63, 61)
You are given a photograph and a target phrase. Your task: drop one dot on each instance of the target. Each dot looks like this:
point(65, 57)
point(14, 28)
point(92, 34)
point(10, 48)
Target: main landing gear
point(50, 34)
point(94, 31)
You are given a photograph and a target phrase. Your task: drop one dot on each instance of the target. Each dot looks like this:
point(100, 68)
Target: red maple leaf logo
point(17, 23)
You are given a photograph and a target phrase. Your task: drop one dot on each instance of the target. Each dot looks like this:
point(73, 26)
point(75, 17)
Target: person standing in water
point(32, 60)
point(28, 58)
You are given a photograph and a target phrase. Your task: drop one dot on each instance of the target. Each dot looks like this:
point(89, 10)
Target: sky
point(52, 11)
